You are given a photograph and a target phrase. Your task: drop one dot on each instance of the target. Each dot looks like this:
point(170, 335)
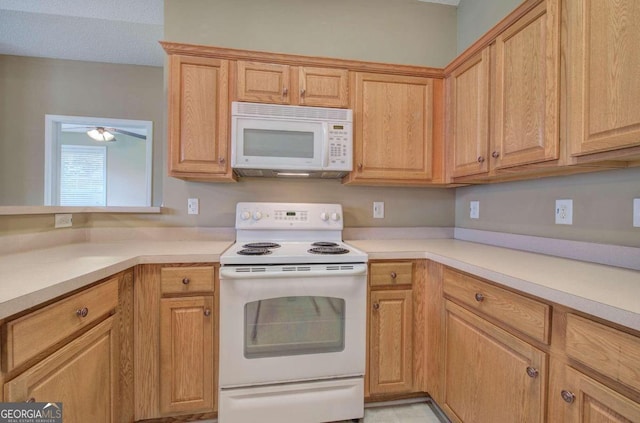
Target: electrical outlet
point(636, 212)
point(474, 209)
point(378, 209)
point(64, 220)
point(193, 206)
point(564, 212)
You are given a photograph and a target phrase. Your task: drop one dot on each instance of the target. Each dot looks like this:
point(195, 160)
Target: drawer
point(523, 314)
point(180, 280)
point(391, 273)
point(609, 351)
point(29, 335)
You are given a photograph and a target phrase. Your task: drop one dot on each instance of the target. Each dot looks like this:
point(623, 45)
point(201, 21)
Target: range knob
point(257, 215)
point(324, 216)
point(335, 217)
point(245, 215)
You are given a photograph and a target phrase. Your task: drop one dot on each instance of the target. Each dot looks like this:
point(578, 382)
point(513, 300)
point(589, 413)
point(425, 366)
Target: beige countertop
point(30, 278)
point(611, 293)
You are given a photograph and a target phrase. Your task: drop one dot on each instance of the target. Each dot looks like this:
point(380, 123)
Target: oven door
point(292, 326)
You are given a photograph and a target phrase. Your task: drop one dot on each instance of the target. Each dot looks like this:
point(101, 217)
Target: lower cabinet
point(490, 375)
point(176, 341)
point(82, 376)
point(186, 354)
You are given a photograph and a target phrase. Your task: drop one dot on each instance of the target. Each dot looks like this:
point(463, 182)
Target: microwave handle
point(325, 137)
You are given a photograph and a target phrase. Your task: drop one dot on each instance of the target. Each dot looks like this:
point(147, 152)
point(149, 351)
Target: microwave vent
point(299, 112)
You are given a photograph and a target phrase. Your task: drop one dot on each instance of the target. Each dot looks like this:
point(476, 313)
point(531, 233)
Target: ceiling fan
point(100, 133)
point(104, 133)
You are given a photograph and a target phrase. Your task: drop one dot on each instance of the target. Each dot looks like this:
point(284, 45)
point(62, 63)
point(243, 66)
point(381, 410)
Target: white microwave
point(275, 140)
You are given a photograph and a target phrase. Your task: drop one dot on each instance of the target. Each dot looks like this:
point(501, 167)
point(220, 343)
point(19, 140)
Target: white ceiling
point(116, 31)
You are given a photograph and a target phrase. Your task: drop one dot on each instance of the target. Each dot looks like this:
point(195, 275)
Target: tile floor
point(408, 413)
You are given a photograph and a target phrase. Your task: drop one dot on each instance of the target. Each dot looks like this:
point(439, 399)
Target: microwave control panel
point(340, 145)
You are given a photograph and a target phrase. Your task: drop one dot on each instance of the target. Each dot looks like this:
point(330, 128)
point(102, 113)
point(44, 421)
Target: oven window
point(273, 143)
point(284, 326)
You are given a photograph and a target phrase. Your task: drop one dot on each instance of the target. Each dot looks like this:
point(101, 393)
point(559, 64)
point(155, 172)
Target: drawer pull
point(207, 312)
point(82, 312)
point(32, 399)
point(303, 92)
point(567, 396)
point(376, 306)
point(285, 92)
point(532, 372)
point(394, 275)
point(479, 297)
point(185, 281)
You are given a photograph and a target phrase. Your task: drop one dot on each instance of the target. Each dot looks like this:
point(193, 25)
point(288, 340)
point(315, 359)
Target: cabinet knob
point(532, 372)
point(376, 306)
point(82, 312)
point(303, 92)
point(393, 275)
point(221, 160)
point(479, 297)
point(360, 167)
point(285, 91)
point(207, 312)
point(495, 154)
point(186, 281)
point(567, 396)
point(480, 159)
point(32, 399)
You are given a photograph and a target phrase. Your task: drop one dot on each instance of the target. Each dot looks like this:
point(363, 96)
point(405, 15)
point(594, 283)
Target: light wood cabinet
point(603, 76)
point(490, 375)
point(396, 354)
point(76, 350)
point(199, 141)
point(468, 116)
point(284, 84)
point(394, 126)
point(526, 89)
point(186, 354)
point(176, 322)
point(82, 375)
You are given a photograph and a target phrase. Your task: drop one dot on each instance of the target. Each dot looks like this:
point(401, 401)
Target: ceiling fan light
point(100, 134)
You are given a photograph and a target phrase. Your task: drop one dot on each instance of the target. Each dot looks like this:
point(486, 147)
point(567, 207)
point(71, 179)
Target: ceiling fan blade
point(131, 134)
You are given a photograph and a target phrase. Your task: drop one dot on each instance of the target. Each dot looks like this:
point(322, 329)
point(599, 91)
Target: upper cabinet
point(526, 96)
point(199, 118)
point(503, 101)
point(396, 124)
point(603, 76)
point(283, 84)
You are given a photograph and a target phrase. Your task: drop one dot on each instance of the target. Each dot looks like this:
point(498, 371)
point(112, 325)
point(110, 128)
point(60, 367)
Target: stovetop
point(283, 233)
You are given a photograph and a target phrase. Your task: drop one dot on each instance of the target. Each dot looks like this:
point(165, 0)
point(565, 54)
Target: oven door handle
point(233, 273)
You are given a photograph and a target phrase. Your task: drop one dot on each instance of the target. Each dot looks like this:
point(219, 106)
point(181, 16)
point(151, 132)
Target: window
point(83, 175)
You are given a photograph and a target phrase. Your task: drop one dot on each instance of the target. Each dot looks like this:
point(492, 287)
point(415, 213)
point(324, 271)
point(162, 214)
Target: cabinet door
point(393, 124)
point(391, 342)
point(468, 120)
point(527, 64)
point(186, 354)
point(82, 375)
point(198, 118)
point(603, 74)
point(586, 401)
point(490, 375)
point(263, 82)
point(324, 87)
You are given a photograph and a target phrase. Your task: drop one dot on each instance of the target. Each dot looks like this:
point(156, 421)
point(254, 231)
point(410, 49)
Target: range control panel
point(307, 216)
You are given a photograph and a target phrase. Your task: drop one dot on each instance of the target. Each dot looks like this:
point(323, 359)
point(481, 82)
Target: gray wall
point(396, 31)
point(476, 17)
point(32, 87)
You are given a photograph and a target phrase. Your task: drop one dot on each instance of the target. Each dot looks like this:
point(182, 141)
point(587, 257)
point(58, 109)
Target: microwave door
point(274, 144)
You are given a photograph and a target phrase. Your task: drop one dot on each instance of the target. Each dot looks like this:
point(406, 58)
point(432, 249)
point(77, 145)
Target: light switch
point(193, 206)
point(636, 212)
point(474, 209)
point(378, 209)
